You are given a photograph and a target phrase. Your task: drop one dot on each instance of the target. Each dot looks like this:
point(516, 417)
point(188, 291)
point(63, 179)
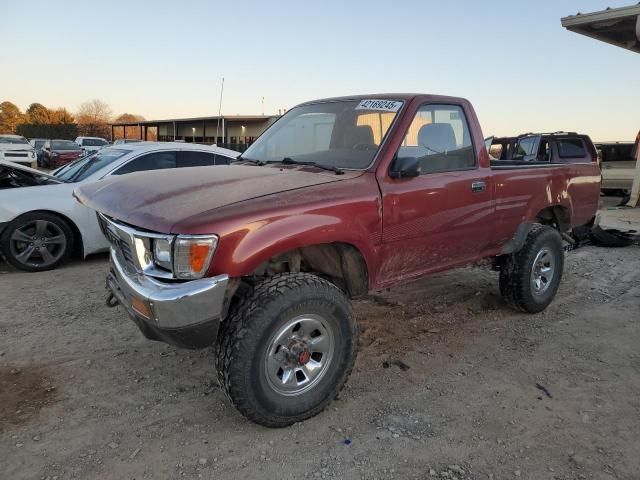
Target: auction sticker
point(382, 105)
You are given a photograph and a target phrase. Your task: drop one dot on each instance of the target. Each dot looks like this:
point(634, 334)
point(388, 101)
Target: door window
point(151, 161)
point(195, 159)
point(525, 148)
point(439, 138)
point(201, 159)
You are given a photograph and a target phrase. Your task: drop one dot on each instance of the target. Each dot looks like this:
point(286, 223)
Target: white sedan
point(41, 224)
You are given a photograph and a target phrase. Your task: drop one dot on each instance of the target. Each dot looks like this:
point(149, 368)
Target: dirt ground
point(449, 383)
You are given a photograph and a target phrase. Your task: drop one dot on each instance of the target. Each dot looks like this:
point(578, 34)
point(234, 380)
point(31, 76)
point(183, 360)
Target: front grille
point(125, 249)
point(16, 154)
point(118, 238)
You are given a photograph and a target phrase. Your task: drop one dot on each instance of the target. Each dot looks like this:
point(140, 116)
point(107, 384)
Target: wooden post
point(635, 189)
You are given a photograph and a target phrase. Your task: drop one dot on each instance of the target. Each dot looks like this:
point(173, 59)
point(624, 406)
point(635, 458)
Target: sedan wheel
point(37, 242)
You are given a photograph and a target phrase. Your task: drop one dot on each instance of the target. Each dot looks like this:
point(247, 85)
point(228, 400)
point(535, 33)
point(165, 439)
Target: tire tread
point(239, 324)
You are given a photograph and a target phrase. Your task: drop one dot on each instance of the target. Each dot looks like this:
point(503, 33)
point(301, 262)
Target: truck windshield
point(343, 134)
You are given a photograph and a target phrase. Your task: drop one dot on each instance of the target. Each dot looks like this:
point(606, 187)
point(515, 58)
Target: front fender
point(243, 251)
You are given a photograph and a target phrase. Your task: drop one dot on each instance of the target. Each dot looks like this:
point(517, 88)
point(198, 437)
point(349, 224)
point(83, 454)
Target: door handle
point(478, 186)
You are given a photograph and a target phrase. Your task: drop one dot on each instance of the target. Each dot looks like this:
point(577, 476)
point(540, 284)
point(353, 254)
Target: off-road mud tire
point(244, 339)
point(516, 284)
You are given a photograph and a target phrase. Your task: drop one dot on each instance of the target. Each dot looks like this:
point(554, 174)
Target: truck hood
point(157, 200)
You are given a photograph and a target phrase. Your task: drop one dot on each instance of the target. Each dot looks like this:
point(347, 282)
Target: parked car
point(37, 144)
point(56, 153)
point(618, 166)
point(544, 148)
point(15, 148)
point(122, 141)
point(91, 144)
point(41, 224)
point(338, 198)
point(502, 148)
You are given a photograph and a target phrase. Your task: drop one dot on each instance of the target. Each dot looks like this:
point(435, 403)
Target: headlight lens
point(162, 253)
point(192, 255)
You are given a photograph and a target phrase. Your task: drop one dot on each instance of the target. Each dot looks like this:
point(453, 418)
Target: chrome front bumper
point(185, 314)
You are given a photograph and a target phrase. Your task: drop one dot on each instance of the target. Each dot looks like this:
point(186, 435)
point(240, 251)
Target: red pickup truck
point(340, 197)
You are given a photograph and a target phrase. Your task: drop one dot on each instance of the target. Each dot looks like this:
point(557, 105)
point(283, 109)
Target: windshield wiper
point(83, 169)
point(259, 163)
point(331, 168)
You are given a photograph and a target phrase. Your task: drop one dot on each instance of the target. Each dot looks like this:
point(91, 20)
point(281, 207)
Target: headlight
point(185, 257)
point(162, 253)
point(192, 255)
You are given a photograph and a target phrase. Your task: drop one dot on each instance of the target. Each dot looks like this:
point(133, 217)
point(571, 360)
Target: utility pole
point(263, 106)
point(220, 111)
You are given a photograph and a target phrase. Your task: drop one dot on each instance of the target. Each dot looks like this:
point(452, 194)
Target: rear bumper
point(185, 314)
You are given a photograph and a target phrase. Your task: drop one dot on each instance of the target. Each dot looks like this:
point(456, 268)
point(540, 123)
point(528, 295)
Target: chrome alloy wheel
point(543, 271)
point(299, 354)
point(38, 243)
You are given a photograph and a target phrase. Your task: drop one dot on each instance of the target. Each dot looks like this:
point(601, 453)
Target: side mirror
point(405, 167)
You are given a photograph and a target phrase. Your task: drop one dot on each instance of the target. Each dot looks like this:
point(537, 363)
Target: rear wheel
point(529, 278)
point(286, 351)
point(37, 241)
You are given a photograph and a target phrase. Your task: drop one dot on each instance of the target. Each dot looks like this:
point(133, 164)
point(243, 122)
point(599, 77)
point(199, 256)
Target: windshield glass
point(93, 142)
point(86, 166)
point(16, 140)
point(343, 134)
point(64, 145)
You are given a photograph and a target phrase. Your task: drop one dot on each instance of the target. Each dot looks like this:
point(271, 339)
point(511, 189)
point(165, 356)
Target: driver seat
point(359, 135)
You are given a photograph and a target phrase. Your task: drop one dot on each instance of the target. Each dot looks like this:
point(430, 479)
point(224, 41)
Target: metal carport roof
point(617, 26)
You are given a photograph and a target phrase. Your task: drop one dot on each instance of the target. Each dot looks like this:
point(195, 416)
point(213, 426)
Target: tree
point(38, 114)
point(60, 116)
point(93, 119)
point(10, 117)
point(133, 131)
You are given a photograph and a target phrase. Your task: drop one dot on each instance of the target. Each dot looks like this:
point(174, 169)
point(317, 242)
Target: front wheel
point(286, 351)
point(37, 241)
point(530, 277)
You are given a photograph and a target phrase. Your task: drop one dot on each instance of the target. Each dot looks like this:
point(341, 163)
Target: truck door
point(441, 217)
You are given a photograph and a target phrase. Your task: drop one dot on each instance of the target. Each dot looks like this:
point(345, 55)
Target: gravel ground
point(449, 383)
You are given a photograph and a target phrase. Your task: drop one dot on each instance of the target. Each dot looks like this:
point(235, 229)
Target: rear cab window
point(526, 149)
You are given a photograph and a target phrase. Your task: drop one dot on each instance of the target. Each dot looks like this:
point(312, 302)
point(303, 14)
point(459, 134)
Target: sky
point(165, 59)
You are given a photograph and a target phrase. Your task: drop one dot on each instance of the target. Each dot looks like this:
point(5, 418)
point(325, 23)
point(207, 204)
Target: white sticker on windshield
point(383, 105)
